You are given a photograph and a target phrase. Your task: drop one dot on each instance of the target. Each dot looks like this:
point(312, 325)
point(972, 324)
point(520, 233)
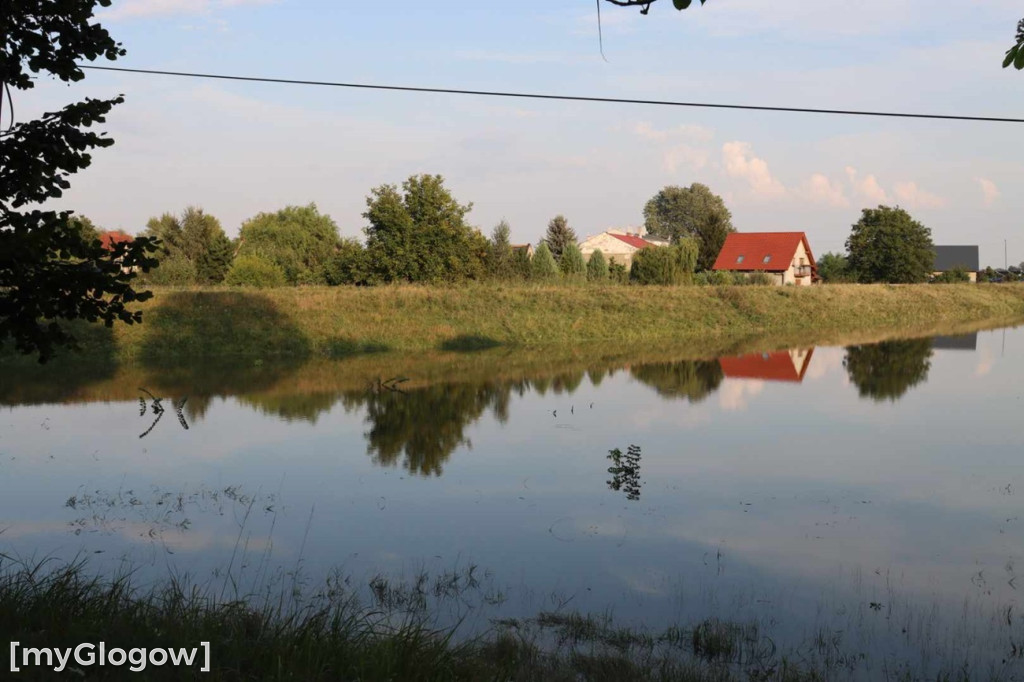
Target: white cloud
point(868, 187)
point(820, 189)
point(685, 157)
point(740, 162)
point(989, 191)
point(909, 194)
point(128, 9)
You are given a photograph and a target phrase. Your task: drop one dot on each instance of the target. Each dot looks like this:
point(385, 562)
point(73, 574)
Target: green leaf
point(681, 4)
point(1010, 54)
point(1018, 63)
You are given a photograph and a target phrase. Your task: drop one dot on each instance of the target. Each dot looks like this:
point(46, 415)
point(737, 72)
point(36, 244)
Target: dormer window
point(739, 259)
point(767, 259)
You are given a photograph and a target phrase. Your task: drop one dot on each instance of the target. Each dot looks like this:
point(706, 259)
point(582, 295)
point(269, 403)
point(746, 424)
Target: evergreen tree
point(543, 267)
point(559, 235)
point(572, 265)
point(597, 267)
point(499, 255)
point(522, 267)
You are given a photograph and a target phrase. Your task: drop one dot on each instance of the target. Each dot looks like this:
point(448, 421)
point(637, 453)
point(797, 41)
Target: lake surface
point(873, 490)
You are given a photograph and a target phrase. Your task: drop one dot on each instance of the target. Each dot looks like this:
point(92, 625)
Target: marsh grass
point(336, 633)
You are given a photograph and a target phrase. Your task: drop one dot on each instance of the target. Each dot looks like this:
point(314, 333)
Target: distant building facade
point(949, 257)
point(621, 245)
point(785, 256)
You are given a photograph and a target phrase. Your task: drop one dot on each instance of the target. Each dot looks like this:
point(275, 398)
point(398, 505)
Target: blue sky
point(240, 148)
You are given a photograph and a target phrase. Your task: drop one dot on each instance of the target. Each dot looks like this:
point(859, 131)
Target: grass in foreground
point(334, 637)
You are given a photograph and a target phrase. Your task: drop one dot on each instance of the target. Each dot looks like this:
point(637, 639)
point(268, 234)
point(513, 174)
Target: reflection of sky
point(761, 489)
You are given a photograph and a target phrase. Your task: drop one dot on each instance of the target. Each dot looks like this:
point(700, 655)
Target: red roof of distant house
point(776, 366)
point(633, 240)
point(108, 239)
point(748, 250)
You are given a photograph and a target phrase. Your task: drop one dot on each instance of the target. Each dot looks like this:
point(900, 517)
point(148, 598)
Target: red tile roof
point(108, 239)
point(755, 246)
point(777, 366)
point(633, 240)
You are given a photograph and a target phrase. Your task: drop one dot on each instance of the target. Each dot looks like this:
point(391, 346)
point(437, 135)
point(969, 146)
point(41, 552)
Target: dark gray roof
point(949, 257)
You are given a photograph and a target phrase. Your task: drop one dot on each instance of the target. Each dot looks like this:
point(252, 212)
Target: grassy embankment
point(340, 321)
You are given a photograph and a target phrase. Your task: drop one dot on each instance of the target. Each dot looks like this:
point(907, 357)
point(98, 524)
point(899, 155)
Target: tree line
point(419, 233)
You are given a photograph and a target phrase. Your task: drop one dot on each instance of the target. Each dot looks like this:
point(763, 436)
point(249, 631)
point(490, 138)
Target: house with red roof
point(785, 256)
point(787, 365)
point(111, 237)
point(619, 244)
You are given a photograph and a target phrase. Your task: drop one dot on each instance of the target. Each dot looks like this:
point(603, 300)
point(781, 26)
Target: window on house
point(739, 259)
point(767, 259)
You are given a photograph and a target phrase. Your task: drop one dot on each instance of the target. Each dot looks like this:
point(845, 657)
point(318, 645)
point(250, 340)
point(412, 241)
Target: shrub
point(298, 239)
point(721, 278)
point(597, 267)
point(348, 265)
point(572, 265)
point(173, 271)
point(759, 279)
point(952, 276)
point(617, 272)
point(254, 271)
point(702, 279)
point(543, 267)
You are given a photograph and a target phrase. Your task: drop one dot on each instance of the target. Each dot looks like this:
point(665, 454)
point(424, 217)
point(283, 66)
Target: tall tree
point(559, 235)
point(298, 239)
point(835, 268)
point(888, 245)
point(420, 234)
point(695, 211)
point(49, 273)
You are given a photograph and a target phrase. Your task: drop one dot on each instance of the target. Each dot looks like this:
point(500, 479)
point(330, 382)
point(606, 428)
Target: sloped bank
point(341, 321)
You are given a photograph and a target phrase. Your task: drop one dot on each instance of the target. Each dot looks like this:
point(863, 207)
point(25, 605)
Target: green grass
point(341, 321)
point(331, 635)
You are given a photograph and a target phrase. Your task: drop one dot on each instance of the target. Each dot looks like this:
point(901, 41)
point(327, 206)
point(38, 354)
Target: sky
point(237, 149)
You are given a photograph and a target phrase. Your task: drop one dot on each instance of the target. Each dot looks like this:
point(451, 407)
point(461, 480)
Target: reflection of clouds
point(681, 416)
point(734, 394)
point(826, 361)
point(985, 362)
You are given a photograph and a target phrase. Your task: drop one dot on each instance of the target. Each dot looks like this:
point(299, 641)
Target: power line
point(564, 98)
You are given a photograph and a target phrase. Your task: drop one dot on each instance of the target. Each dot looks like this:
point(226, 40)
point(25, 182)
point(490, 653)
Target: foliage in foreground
point(51, 270)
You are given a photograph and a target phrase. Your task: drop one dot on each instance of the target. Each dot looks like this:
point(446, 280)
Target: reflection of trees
point(887, 370)
point(694, 380)
point(426, 425)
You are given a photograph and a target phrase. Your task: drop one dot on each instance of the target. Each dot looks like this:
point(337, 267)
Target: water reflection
point(887, 370)
point(692, 380)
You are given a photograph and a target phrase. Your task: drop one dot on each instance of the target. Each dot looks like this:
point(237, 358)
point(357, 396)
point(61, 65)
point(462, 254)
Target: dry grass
point(341, 321)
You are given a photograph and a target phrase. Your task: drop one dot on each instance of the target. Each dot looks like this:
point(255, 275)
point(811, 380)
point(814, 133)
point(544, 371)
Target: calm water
point(872, 487)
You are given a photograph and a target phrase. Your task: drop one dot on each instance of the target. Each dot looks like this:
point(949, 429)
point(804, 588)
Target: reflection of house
point(785, 256)
point(958, 342)
point(950, 257)
point(786, 365)
point(619, 244)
